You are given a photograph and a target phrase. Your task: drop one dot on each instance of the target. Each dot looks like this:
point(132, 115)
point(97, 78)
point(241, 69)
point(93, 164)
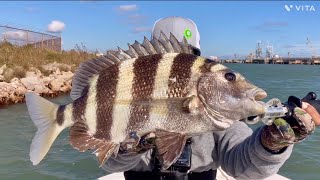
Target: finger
point(312, 112)
point(303, 124)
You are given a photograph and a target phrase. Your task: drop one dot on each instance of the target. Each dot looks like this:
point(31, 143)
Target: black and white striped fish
point(156, 87)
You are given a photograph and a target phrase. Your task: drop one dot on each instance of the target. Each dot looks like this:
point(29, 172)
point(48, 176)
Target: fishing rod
point(275, 109)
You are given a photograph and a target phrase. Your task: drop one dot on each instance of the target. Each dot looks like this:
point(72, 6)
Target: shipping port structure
point(271, 58)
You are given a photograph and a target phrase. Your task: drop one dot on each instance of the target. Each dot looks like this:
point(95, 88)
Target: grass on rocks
point(21, 58)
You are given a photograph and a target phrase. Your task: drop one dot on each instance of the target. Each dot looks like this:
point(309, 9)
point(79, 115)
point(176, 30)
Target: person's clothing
point(136, 175)
point(237, 150)
point(180, 27)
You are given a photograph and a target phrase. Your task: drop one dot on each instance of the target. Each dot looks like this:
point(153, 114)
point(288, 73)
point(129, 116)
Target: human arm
point(263, 153)
point(125, 162)
point(129, 160)
point(241, 155)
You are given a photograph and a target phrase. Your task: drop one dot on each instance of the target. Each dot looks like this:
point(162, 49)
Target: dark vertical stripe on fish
point(144, 70)
point(106, 93)
point(79, 105)
point(60, 115)
point(180, 72)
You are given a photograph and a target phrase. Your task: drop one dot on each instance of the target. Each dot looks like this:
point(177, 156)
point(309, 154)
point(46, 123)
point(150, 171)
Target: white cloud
point(136, 19)
point(31, 9)
point(271, 26)
point(142, 29)
point(56, 26)
point(125, 8)
point(15, 35)
point(131, 16)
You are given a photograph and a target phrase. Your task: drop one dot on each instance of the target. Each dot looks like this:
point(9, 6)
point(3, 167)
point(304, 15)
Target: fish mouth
point(256, 95)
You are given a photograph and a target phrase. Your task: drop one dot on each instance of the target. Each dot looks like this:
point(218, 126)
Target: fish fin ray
point(185, 46)
point(113, 57)
point(140, 49)
point(159, 45)
point(175, 43)
point(165, 42)
point(148, 46)
point(85, 72)
point(43, 115)
point(81, 140)
point(169, 152)
point(105, 151)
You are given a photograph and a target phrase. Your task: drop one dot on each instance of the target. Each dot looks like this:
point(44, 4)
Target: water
point(63, 162)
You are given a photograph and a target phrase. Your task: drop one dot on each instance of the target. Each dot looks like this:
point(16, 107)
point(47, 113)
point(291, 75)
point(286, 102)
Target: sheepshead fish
point(156, 87)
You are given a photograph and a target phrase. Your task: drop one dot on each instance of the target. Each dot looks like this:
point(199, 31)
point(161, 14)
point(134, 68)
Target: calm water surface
point(63, 162)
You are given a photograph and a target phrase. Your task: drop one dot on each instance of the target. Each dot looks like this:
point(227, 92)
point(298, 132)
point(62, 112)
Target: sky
point(226, 28)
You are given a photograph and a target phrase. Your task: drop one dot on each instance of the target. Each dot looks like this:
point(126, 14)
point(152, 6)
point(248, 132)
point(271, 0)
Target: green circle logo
point(187, 33)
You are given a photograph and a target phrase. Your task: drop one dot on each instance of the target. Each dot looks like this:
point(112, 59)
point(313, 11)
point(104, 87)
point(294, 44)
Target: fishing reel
point(275, 109)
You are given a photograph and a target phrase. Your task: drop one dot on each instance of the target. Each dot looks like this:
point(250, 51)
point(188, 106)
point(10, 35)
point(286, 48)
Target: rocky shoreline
point(54, 79)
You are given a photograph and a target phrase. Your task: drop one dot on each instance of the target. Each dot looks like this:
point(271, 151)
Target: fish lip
point(257, 94)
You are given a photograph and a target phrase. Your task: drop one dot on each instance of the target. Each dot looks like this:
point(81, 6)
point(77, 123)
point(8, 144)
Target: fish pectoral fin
point(81, 140)
point(192, 105)
point(169, 146)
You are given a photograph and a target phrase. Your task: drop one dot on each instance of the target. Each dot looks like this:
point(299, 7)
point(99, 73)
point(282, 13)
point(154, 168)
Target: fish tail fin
point(43, 114)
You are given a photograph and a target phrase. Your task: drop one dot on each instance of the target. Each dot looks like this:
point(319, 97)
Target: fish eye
point(230, 76)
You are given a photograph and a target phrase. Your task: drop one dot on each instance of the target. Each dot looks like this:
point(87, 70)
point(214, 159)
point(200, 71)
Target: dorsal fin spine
point(92, 67)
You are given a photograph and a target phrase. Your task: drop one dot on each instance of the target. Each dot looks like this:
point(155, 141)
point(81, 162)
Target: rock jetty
point(52, 80)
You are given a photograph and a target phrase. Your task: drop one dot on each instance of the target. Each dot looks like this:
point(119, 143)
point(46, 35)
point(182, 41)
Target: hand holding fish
point(286, 131)
point(136, 145)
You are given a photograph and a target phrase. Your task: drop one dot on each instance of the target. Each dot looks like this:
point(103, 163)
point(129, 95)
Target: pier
point(298, 60)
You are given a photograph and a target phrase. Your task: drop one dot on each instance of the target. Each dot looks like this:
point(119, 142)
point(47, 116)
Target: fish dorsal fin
point(92, 67)
point(139, 49)
point(148, 46)
point(175, 43)
point(158, 46)
point(113, 57)
point(185, 46)
point(122, 54)
point(132, 52)
point(169, 146)
point(85, 72)
point(165, 42)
